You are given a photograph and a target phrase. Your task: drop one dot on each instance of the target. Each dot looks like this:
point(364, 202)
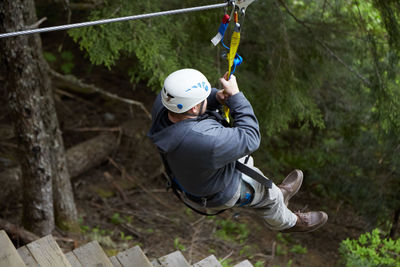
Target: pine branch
point(75, 82)
point(324, 45)
point(36, 25)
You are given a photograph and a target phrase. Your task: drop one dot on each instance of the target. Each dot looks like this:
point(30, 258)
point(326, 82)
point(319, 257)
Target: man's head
point(185, 92)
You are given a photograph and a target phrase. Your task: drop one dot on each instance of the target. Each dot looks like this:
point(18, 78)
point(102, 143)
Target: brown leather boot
point(291, 185)
point(308, 222)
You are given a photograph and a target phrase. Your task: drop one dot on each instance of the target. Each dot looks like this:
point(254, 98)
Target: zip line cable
point(105, 21)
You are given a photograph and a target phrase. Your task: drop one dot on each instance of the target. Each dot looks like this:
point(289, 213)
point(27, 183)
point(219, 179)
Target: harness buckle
point(204, 201)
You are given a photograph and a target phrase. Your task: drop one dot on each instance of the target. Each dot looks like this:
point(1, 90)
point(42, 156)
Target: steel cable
point(105, 21)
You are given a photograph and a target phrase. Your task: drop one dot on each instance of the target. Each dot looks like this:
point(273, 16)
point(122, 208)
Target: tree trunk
point(64, 205)
point(24, 84)
point(31, 104)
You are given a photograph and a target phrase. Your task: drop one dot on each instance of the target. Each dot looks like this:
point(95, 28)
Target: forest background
point(322, 76)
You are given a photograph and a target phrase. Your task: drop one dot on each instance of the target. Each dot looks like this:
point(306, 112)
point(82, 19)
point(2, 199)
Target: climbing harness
point(234, 59)
point(201, 201)
point(182, 194)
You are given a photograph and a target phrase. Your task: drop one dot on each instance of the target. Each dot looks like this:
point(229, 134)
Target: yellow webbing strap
point(226, 112)
point(235, 40)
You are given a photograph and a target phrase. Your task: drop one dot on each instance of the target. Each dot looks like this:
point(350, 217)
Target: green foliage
point(370, 250)
point(246, 251)
point(352, 154)
point(155, 47)
point(278, 86)
point(232, 231)
point(106, 237)
point(298, 249)
point(116, 219)
point(65, 60)
point(322, 76)
point(226, 262)
point(49, 57)
point(281, 250)
point(285, 245)
point(178, 245)
point(282, 239)
point(103, 236)
point(125, 237)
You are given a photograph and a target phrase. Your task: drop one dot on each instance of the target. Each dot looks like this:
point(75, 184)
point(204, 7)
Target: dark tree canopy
point(322, 77)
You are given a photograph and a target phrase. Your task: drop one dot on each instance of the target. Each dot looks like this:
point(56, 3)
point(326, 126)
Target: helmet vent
point(169, 95)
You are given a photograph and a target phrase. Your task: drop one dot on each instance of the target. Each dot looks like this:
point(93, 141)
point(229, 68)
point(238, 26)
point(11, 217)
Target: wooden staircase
point(45, 252)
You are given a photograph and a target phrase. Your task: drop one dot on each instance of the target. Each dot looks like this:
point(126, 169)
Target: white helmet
point(183, 89)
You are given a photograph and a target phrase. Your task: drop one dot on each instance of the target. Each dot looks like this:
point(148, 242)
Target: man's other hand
point(230, 86)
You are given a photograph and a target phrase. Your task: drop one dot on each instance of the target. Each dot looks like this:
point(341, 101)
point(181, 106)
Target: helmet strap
point(201, 108)
point(176, 117)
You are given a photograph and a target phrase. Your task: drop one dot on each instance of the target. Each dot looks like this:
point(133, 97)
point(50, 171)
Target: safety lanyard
point(234, 59)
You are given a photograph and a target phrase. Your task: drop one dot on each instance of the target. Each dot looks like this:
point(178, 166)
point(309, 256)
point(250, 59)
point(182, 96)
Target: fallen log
point(80, 159)
point(91, 153)
point(16, 232)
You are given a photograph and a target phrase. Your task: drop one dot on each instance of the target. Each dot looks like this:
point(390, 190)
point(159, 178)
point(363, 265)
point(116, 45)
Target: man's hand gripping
point(230, 88)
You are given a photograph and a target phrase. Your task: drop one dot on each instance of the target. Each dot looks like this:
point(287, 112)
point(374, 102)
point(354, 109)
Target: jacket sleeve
point(212, 102)
point(157, 106)
point(240, 140)
point(156, 113)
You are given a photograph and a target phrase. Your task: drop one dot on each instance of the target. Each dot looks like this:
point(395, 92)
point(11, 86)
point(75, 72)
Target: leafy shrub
point(298, 249)
point(178, 245)
point(232, 231)
point(370, 250)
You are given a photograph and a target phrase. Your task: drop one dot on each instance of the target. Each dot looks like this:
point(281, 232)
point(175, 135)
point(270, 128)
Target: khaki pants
point(268, 203)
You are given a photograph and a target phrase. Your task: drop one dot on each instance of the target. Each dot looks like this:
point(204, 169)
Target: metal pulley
point(243, 4)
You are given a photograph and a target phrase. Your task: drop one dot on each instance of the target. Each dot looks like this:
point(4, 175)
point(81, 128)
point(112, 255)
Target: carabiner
point(243, 4)
point(233, 8)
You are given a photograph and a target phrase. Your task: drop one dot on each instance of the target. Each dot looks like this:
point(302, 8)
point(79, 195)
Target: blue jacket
point(202, 152)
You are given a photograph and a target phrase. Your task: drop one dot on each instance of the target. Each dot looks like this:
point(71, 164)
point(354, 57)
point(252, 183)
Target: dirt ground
point(123, 202)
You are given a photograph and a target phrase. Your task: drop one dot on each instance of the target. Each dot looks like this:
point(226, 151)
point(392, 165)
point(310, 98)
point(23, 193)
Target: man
point(201, 152)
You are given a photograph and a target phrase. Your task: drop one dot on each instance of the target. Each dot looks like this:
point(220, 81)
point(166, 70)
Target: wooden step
point(46, 252)
point(245, 263)
point(9, 256)
point(210, 261)
point(73, 259)
point(92, 254)
point(174, 259)
point(115, 262)
point(133, 257)
point(27, 257)
point(156, 263)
